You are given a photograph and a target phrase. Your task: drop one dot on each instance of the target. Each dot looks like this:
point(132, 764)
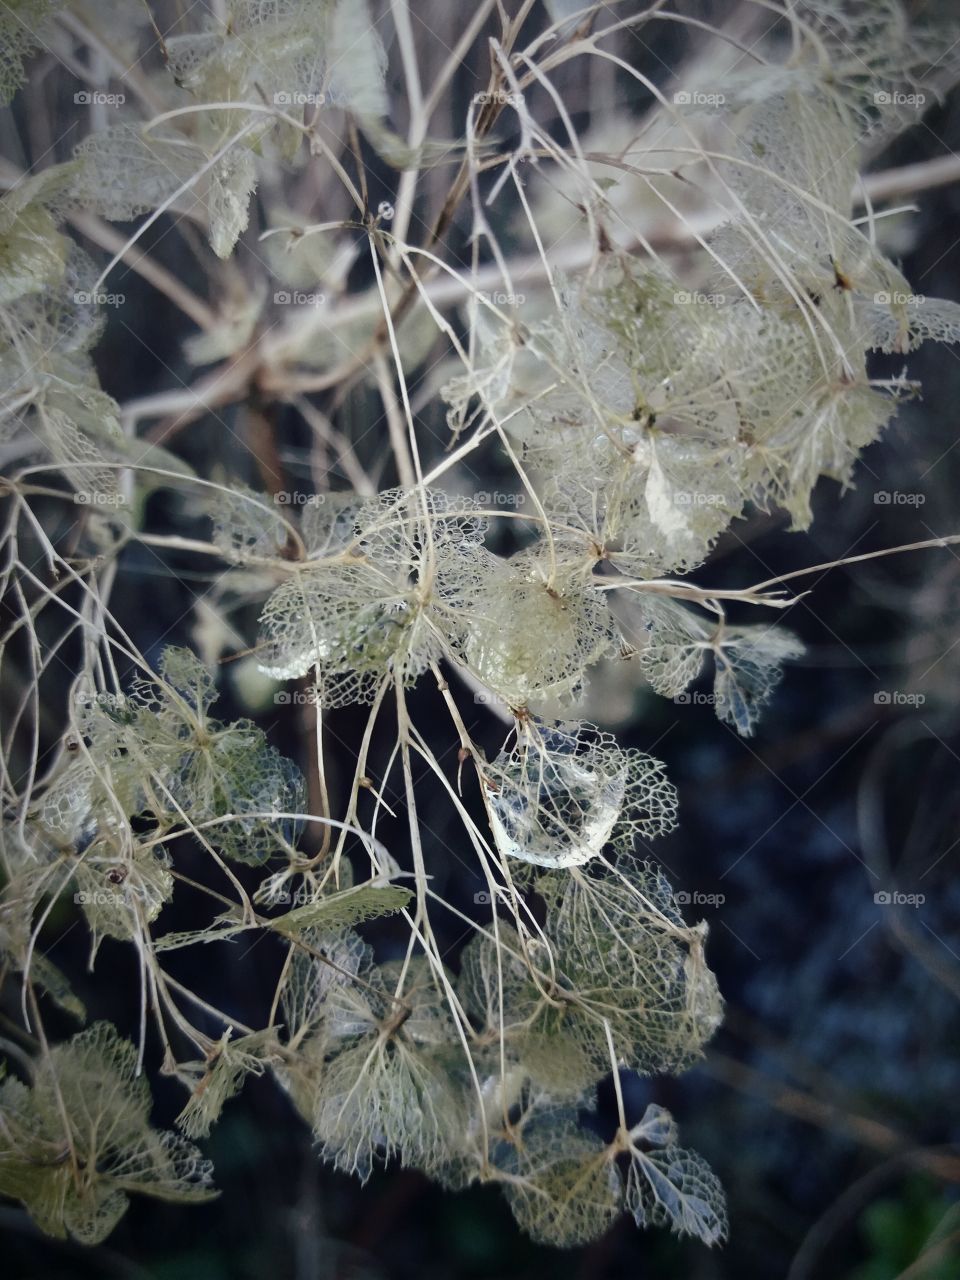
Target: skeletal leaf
point(384, 1098)
point(23, 26)
point(232, 181)
point(343, 620)
point(121, 895)
point(82, 802)
point(628, 961)
point(500, 992)
point(560, 796)
point(529, 630)
point(76, 1179)
point(382, 1085)
point(327, 913)
point(244, 527)
point(616, 955)
point(798, 177)
point(350, 906)
point(672, 641)
point(124, 171)
point(192, 679)
point(32, 251)
point(329, 958)
point(188, 768)
point(748, 669)
point(657, 1128)
point(896, 326)
point(245, 788)
point(219, 1078)
point(564, 1189)
point(80, 427)
point(810, 410)
point(56, 985)
point(630, 413)
point(359, 616)
point(278, 45)
point(879, 55)
point(357, 60)
point(330, 524)
point(676, 1188)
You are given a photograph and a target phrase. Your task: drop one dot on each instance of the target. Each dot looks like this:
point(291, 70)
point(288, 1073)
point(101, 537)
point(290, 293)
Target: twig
point(803, 1106)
